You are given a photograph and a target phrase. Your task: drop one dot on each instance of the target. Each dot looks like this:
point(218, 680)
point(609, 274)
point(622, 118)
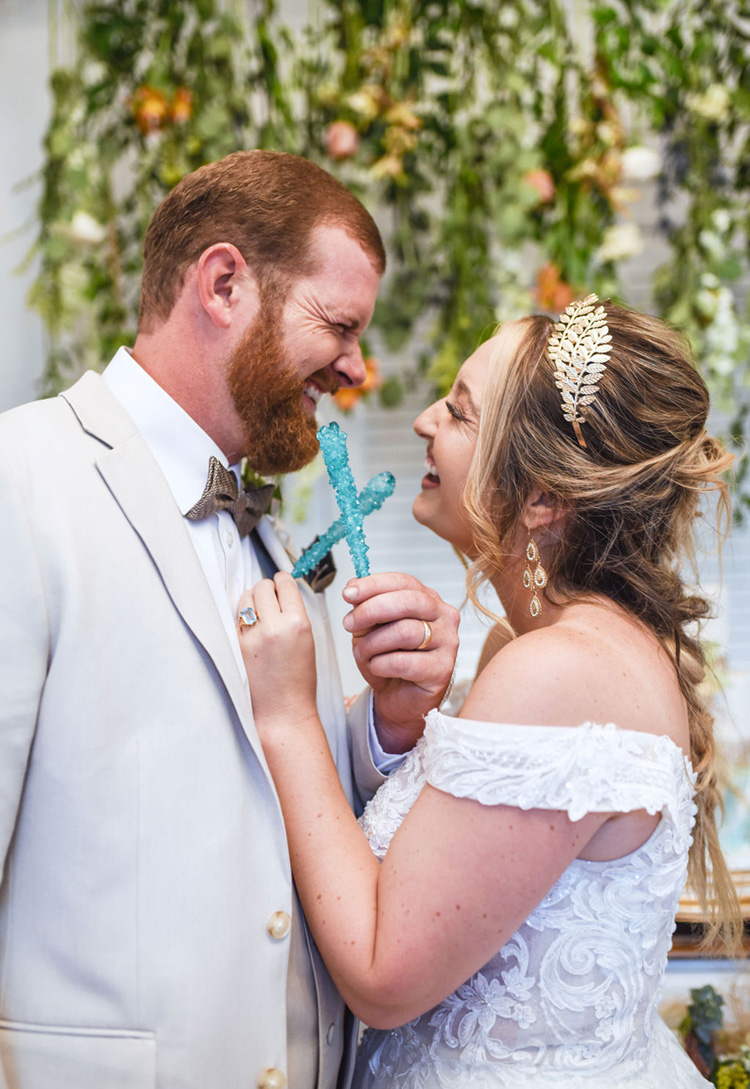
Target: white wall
point(24, 111)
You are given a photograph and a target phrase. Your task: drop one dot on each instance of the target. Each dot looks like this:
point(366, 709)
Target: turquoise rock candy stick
point(336, 457)
point(372, 497)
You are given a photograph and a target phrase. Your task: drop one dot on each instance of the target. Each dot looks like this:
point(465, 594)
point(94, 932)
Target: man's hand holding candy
point(405, 641)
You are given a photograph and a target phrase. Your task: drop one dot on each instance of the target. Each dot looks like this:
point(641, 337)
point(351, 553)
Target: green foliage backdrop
point(500, 145)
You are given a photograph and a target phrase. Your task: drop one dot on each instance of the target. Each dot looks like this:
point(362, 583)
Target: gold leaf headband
point(579, 346)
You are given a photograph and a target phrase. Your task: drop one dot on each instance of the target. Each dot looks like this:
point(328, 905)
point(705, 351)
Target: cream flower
point(722, 220)
point(713, 104)
point(723, 335)
point(84, 228)
point(365, 102)
point(608, 132)
point(640, 163)
point(620, 241)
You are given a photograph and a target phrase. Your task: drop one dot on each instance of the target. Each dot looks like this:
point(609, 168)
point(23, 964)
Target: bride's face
point(450, 428)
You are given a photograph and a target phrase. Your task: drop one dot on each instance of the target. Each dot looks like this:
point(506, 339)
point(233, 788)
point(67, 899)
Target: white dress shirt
point(182, 450)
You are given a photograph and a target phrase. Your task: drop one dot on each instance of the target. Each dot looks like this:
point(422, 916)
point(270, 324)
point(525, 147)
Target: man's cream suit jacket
point(142, 839)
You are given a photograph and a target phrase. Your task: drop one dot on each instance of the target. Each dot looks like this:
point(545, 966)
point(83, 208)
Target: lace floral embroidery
point(574, 992)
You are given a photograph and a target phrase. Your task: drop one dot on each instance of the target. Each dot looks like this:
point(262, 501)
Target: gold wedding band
point(427, 637)
point(247, 617)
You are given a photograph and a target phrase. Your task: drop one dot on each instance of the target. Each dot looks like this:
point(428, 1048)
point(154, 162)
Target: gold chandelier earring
point(536, 579)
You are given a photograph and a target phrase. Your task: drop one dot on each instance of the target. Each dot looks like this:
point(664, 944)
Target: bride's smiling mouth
point(431, 478)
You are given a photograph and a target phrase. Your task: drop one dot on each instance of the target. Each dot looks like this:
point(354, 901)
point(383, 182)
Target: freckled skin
point(505, 693)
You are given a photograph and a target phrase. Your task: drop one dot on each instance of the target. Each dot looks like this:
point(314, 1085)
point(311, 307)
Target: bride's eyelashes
point(456, 412)
point(470, 418)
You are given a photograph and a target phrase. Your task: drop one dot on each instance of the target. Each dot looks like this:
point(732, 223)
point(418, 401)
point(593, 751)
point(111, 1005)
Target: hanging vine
point(500, 146)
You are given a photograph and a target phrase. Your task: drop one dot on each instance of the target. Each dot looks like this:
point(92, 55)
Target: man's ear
point(225, 283)
point(542, 510)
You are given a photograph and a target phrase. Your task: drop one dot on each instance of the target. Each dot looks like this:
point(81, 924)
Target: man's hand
point(388, 625)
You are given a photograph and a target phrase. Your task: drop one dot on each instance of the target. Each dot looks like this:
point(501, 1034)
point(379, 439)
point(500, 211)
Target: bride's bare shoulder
point(590, 666)
point(499, 635)
point(526, 679)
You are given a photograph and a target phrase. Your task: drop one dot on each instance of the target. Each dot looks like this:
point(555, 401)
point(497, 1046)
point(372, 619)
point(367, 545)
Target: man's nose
point(350, 366)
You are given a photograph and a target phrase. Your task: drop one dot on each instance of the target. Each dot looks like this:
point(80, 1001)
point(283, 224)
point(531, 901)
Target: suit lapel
point(139, 488)
point(277, 542)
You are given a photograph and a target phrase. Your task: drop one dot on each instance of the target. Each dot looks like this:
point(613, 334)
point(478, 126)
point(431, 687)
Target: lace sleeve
point(583, 769)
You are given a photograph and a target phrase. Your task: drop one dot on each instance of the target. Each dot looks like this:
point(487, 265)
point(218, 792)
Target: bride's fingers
point(257, 603)
point(278, 612)
point(247, 616)
point(246, 599)
point(288, 594)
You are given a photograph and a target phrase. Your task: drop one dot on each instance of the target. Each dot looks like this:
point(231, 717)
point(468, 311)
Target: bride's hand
point(279, 655)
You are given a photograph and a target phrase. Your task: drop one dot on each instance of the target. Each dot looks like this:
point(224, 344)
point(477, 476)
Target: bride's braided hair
point(634, 495)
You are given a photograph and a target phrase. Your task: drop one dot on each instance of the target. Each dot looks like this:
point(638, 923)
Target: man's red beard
point(280, 434)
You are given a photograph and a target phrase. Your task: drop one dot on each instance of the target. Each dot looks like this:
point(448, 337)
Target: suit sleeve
point(367, 778)
point(24, 646)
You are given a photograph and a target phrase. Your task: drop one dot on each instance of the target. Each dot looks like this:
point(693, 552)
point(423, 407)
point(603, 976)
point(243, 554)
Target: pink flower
point(543, 182)
point(341, 140)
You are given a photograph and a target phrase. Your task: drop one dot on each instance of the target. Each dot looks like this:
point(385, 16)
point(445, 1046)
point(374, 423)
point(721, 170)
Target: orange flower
point(347, 396)
point(182, 105)
point(150, 108)
point(552, 293)
point(543, 182)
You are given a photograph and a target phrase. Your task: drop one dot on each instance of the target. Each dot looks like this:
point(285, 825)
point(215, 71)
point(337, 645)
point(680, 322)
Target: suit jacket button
point(278, 925)
point(272, 1079)
point(331, 1032)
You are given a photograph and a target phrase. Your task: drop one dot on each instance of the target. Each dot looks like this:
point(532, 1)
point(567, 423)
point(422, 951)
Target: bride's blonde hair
point(633, 496)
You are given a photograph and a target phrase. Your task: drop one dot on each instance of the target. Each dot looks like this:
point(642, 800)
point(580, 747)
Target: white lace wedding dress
point(571, 1000)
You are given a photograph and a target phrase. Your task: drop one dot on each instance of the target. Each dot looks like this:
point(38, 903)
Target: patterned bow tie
point(222, 492)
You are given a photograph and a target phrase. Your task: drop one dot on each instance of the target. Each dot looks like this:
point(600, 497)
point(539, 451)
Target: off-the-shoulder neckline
point(607, 727)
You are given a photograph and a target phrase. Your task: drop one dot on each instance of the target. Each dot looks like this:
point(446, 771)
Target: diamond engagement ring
point(427, 637)
point(248, 617)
